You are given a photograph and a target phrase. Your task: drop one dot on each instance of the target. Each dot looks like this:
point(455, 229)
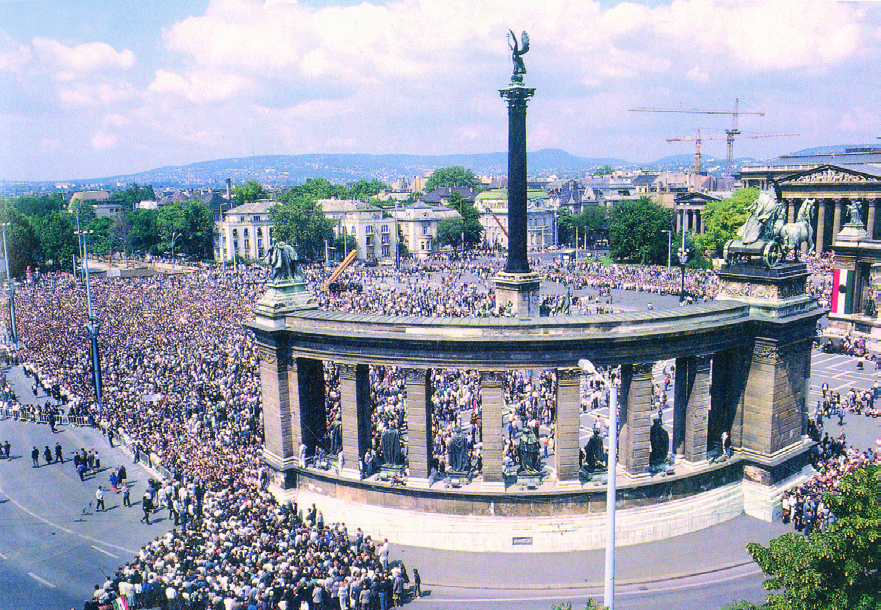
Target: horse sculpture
point(792, 235)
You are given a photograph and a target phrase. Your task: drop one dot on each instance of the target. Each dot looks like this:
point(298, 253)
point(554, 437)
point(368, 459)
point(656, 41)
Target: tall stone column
point(493, 400)
point(308, 413)
point(836, 222)
point(518, 96)
point(697, 409)
point(821, 226)
point(419, 432)
point(790, 210)
point(634, 442)
point(355, 410)
point(870, 218)
point(568, 423)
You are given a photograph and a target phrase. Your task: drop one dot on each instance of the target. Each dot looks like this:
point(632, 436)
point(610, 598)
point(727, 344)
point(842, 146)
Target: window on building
point(384, 229)
point(386, 251)
point(369, 230)
point(370, 240)
point(257, 218)
point(235, 233)
point(247, 245)
point(385, 238)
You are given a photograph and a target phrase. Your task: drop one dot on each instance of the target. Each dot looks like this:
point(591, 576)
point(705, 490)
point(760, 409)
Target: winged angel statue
point(517, 53)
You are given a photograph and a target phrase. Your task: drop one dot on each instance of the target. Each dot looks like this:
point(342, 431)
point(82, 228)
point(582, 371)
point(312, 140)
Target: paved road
point(54, 548)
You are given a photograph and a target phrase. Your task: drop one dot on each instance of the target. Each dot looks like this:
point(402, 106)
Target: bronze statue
point(517, 53)
point(763, 212)
point(285, 264)
point(854, 210)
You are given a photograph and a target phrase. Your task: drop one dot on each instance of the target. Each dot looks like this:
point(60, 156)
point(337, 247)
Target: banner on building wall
point(842, 291)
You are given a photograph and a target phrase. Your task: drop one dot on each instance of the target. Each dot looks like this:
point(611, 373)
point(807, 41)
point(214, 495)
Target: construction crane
point(730, 134)
point(698, 139)
point(498, 222)
point(339, 270)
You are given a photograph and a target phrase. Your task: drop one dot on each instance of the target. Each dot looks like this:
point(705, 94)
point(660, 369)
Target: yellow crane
point(698, 139)
point(351, 256)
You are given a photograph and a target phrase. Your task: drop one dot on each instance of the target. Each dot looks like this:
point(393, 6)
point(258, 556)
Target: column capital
point(642, 368)
point(414, 373)
point(493, 377)
point(346, 370)
point(569, 375)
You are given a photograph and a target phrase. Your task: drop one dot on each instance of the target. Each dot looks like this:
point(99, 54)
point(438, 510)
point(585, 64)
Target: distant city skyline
point(119, 88)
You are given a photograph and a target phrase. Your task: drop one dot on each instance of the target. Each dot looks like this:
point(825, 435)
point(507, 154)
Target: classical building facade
point(374, 231)
point(541, 218)
point(245, 232)
point(418, 225)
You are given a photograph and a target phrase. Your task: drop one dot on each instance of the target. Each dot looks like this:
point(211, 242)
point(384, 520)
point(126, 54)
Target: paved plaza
point(54, 548)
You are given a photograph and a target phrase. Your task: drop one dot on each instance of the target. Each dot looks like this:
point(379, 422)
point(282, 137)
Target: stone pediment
point(828, 174)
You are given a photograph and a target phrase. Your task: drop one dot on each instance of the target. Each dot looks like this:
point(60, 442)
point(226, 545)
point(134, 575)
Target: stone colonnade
point(294, 412)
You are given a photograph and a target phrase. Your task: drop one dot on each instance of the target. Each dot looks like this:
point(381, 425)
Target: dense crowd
point(181, 382)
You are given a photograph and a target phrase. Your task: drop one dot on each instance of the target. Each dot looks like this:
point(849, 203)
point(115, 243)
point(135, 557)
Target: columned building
point(245, 232)
point(373, 230)
point(541, 218)
point(418, 224)
point(833, 180)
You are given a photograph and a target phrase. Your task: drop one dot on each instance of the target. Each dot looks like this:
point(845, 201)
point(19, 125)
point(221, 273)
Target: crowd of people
point(181, 384)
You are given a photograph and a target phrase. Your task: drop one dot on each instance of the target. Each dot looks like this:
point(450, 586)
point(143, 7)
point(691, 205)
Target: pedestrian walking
point(146, 506)
point(99, 496)
point(126, 496)
point(417, 584)
point(7, 448)
point(59, 453)
point(35, 456)
point(47, 454)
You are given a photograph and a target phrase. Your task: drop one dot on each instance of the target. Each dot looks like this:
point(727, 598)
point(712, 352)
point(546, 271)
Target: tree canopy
point(636, 232)
point(451, 176)
point(722, 218)
point(606, 170)
point(193, 222)
point(470, 218)
point(249, 192)
point(300, 221)
point(835, 569)
point(22, 243)
point(134, 194)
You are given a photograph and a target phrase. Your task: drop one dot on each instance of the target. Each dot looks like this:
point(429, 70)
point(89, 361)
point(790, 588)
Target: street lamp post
point(94, 326)
point(669, 246)
point(10, 285)
point(174, 238)
point(611, 490)
point(683, 255)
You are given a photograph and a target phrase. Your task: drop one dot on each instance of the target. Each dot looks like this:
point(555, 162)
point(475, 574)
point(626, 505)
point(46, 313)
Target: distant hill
point(283, 170)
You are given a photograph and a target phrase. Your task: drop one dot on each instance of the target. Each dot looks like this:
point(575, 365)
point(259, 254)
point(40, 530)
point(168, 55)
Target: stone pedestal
point(520, 291)
point(355, 409)
point(774, 407)
point(282, 297)
point(419, 432)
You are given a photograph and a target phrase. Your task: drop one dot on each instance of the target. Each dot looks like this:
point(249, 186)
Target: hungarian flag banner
point(120, 603)
point(842, 291)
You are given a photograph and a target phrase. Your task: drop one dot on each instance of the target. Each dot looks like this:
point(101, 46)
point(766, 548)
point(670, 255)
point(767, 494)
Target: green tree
point(722, 218)
point(99, 240)
point(451, 176)
point(835, 569)
point(22, 243)
point(121, 233)
point(37, 206)
point(565, 224)
point(592, 223)
point(470, 218)
point(449, 232)
point(635, 232)
point(249, 192)
point(193, 222)
point(134, 194)
point(144, 234)
point(57, 240)
point(299, 221)
point(315, 188)
point(605, 170)
point(365, 189)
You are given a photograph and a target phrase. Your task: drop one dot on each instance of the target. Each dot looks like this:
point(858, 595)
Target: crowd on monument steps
point(181, 382)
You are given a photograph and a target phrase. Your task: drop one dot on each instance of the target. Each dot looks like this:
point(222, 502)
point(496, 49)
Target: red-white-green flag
point(842, 291)
point(120, 603)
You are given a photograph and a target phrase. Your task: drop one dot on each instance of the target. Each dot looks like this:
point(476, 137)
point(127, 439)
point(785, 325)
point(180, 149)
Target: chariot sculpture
point(767, 236)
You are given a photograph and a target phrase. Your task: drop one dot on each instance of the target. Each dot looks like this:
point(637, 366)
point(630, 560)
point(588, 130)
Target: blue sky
point(99, 88)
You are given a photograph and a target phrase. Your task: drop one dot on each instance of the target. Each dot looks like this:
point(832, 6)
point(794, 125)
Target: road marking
point(40, 580)
point(105, 552)
point(3, 557)
point(64, 529)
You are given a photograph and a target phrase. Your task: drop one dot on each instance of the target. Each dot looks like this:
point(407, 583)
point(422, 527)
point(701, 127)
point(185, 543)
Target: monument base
point(283, 297)
point(518, 293)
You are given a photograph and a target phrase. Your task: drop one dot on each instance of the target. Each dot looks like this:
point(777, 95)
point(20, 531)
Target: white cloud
point(13, 56)
point(72, 62)
point(199, 87)
point(104, 141)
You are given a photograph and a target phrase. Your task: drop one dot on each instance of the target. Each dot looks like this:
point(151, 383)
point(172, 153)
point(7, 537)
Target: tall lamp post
point(174, 237)
point(683, 258)
point(10, 284)
point(611, 491)
point(94, 326)
point(669, 246)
